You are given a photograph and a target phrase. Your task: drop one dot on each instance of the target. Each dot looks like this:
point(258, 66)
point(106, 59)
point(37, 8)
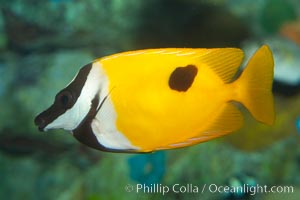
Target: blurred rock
point(291, 30)
point(178, 23)
point(284, 195)
point(110, 25)
point(73, 24)
point(3, 36)
point(264, 17)
point(24, 36)
point(257, 137)
point(18, 178)
point(27, 145)
point(286, 60)
point(44, 43)
point(275, 13)
point(31, 84)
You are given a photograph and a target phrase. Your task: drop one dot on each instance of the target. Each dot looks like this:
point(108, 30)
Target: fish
point(157, 99)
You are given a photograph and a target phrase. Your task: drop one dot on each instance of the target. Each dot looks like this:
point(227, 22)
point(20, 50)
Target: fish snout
point(40, 122)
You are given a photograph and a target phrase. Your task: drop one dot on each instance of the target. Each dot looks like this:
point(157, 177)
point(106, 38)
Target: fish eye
point(65, 99)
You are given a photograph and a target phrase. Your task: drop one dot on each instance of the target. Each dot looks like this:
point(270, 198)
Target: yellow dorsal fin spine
point(223, 61)
point(255, 86)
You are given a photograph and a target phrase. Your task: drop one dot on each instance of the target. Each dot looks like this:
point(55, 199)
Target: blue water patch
point(147, 168)
point(298, 124)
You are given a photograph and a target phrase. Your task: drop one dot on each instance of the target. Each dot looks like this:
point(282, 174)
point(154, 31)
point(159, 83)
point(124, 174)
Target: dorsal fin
point(223, 61)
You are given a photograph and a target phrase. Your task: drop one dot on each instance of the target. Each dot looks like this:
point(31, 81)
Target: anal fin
point(228, 119)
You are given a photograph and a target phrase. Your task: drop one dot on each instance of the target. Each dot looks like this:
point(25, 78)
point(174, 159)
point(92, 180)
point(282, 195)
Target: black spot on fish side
point(182, 78)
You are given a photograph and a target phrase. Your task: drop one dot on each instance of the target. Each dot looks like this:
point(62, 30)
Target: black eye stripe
point(55, 110)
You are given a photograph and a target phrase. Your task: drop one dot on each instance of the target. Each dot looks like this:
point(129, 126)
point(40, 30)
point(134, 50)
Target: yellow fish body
point(155, 99)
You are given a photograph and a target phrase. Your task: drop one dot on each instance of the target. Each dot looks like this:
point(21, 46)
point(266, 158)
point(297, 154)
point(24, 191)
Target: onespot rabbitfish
point(154, 99)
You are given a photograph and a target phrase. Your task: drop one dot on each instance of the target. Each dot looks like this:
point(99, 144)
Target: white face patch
point(85, 108)
point(104, 123)
point(105, 130)
point(73, 117)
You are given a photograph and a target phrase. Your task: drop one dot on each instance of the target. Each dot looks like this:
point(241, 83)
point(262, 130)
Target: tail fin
point(255, 86)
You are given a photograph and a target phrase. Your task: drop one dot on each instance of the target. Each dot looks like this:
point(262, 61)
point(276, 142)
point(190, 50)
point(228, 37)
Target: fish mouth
point(46, 117)
point(40, 122)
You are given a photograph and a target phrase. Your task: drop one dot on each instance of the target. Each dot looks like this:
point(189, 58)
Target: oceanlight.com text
point(250, 189)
